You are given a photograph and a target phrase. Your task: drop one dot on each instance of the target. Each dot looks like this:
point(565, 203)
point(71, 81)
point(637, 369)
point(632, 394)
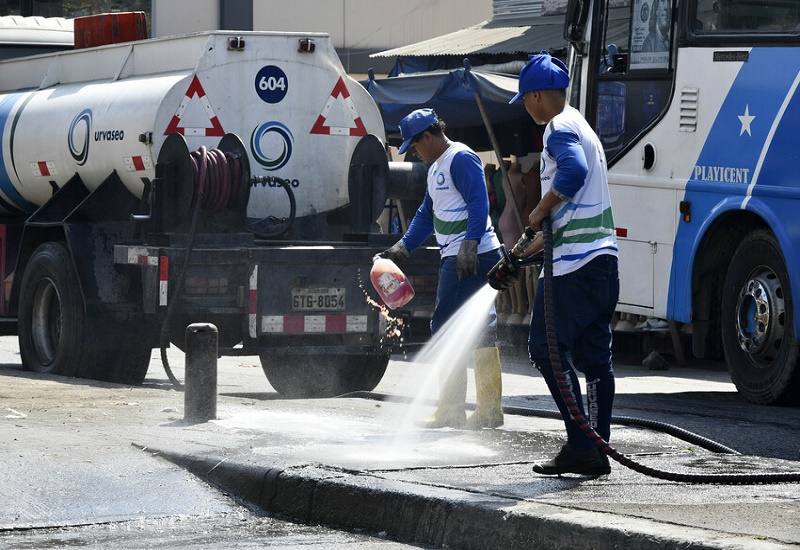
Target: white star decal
point(746, 119)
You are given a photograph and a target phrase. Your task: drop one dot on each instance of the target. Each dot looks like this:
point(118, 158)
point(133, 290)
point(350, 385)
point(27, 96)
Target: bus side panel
point(751, 150)
point(644, 237)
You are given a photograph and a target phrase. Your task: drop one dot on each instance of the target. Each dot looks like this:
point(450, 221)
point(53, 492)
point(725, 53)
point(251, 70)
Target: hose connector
point(524, 242)
point(508, 269)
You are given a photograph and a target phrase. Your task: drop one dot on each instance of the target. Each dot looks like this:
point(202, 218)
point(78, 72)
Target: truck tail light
point(306, 45)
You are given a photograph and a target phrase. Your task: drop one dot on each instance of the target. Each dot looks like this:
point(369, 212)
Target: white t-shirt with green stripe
point(450, 209)
point(574, 164)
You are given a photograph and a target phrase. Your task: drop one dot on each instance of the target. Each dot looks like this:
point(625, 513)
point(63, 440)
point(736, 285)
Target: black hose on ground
point(569, 398)
point(669, 429)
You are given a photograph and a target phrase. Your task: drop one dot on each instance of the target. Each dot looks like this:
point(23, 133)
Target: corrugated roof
point(491, 37)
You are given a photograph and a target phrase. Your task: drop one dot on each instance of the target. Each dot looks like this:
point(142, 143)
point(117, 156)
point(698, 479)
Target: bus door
point(628, 72)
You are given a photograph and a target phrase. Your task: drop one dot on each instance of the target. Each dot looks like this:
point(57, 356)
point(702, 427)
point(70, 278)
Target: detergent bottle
point(390, 283)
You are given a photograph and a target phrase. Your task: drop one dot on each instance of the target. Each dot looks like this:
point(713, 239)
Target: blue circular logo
point(440, 178)
point(271, 145)
point(80, 151)
point(271, 84)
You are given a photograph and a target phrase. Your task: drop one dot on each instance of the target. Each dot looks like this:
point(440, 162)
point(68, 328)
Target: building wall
point(352, 24)
point(170, 17)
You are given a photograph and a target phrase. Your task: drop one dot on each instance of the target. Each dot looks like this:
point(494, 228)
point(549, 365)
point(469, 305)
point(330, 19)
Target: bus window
point(651, 29)
point(611, 115)
point(634, 80)
point(746, 16)
point(614, 58)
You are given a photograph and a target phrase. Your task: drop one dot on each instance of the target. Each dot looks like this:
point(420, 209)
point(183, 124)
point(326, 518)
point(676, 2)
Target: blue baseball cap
point(413, 124)
point(542, 72)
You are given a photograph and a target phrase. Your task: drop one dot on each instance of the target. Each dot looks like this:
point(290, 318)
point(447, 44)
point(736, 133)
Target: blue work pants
point(584, 302)
point(451, 294)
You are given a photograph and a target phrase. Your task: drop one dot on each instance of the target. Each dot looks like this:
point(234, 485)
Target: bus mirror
point(575, 24)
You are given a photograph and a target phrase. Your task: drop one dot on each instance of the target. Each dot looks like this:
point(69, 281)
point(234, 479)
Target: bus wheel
point(319, 375)
point(758, 323)
point(51, 327)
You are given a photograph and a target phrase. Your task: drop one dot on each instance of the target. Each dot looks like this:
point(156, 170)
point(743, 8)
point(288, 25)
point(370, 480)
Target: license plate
point(317, 299)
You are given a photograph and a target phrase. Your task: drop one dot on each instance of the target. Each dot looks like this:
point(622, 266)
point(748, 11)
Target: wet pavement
point(476, 490)
point(79, 452)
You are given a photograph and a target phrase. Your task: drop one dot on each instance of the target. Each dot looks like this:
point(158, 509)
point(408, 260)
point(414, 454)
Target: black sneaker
point(567, 461)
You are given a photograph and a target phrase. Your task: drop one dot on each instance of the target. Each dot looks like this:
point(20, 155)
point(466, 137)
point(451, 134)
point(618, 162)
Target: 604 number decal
point(271, 84)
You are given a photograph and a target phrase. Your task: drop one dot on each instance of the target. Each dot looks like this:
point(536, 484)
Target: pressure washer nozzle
point(504, 273)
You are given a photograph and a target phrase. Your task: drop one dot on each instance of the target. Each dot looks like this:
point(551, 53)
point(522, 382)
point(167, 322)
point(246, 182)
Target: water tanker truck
point(231, 178)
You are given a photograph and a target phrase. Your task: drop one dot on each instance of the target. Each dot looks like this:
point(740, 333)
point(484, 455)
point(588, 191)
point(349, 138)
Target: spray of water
point(450, 348)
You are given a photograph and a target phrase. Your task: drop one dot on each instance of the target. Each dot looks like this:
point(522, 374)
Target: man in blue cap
point(456, 210)
point(585, 284)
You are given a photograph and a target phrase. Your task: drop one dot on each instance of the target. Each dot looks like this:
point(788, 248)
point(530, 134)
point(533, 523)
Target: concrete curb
point(426, 514)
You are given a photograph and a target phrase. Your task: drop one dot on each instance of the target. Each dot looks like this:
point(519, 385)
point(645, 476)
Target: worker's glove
point(467, 259)
point(397, 253)
point(505, 273)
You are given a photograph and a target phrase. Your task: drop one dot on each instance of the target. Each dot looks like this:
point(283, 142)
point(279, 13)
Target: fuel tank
point(110, 108)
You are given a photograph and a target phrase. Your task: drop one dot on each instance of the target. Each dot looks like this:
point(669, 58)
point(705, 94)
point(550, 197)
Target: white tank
point(110, 108)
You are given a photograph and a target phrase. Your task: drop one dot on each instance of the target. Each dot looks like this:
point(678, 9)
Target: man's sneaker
point(567, 461)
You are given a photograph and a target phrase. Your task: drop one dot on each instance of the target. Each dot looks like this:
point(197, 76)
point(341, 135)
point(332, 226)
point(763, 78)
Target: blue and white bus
point(697, 105)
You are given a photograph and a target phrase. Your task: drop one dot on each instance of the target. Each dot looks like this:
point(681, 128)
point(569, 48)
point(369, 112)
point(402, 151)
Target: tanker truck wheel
point(122, 362)
point(51, 314)
point(57, 337)
point(311, 376)
point(758, 323)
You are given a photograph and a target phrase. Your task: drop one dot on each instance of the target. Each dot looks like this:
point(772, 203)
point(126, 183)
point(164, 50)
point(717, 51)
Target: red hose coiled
point(216, 178)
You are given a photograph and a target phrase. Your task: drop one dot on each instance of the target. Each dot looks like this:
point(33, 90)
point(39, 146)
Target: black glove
point(397, 253)
point(505, 273)
point(467, 259)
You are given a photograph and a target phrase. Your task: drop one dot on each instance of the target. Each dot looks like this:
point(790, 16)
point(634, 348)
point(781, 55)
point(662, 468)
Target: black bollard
point(200, 392)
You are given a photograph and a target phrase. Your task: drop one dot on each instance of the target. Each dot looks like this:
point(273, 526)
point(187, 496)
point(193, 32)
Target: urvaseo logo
point(79, 132)
point(271, 145)
point(109, 135)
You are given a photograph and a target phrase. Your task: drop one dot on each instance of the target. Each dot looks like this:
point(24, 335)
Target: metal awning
point(521, 36)
point(458, 97)
point(509, 36)
point(450, 93)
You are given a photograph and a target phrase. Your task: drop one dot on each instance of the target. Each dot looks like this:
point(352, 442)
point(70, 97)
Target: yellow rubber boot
point(488, 390)
point(450, 412)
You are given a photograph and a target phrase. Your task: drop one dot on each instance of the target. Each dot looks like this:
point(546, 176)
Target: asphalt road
point(72, 477)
